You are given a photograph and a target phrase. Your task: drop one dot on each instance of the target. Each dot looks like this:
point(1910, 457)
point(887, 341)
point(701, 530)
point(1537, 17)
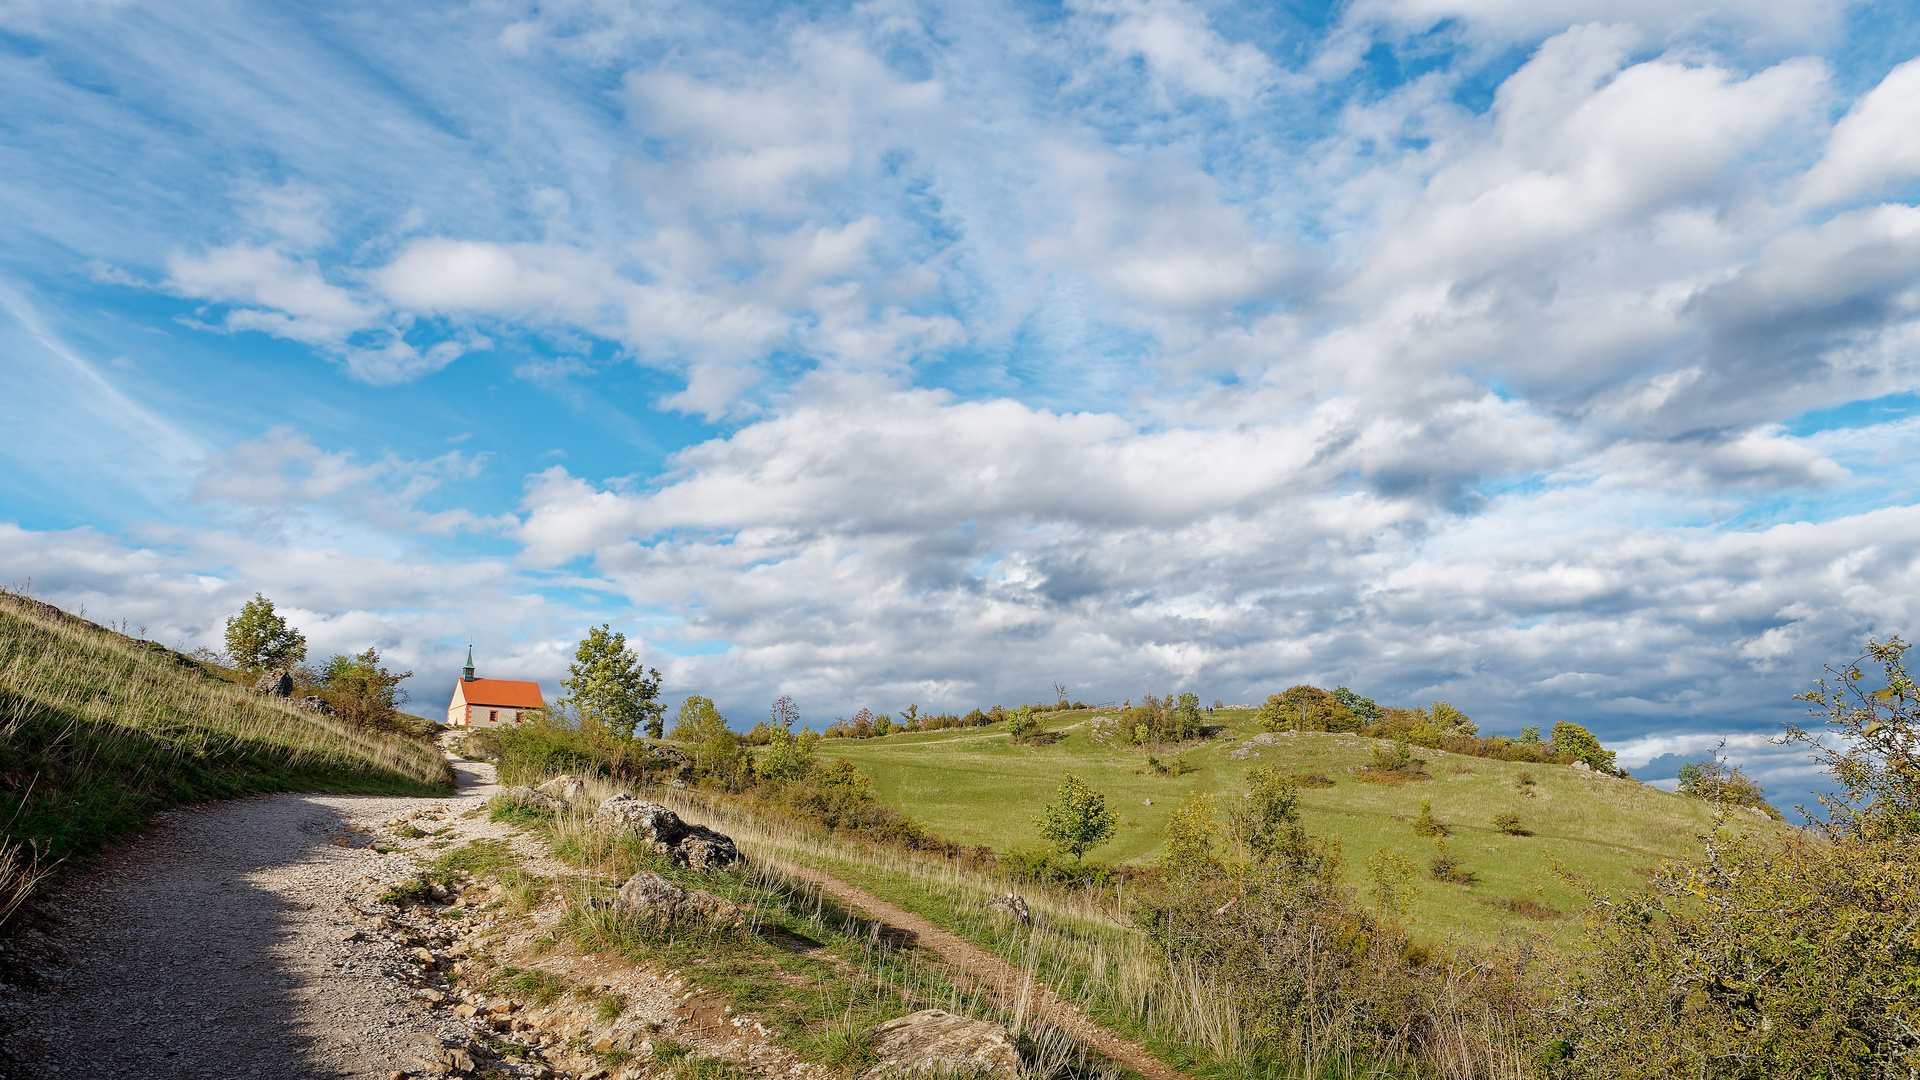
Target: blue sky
point(1555, 359)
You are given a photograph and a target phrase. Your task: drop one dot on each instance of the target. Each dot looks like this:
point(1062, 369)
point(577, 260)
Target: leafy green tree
point(718, 753)
point(1022, 724)
point(259, 639)
point(699, 720)
point(1363, 707)
point(1571, 738)
point(607, 684)
point(1078, 819)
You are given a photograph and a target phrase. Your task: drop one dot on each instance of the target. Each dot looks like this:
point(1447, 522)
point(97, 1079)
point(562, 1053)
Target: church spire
point(466, 673)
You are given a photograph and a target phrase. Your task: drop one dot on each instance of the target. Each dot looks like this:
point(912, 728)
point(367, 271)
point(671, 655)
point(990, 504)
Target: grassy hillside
point(978, 787)
point(97, 731)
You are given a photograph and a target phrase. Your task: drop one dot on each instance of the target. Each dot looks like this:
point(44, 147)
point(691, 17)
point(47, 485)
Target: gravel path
point(235, 940)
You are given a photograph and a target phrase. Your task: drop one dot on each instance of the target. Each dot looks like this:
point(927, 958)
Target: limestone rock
point(314, 703)
point(1582, 766)
point(661, 903)
point(566, 787)
point(690, 845)
point(1013, 905)
point(275, 684)
point(539, 800)
point(935, 1042)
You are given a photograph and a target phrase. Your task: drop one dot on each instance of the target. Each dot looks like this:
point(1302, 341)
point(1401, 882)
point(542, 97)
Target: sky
point(1558, 359)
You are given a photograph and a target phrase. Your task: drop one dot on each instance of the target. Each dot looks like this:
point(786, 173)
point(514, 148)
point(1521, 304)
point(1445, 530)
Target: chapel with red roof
point(491, 702)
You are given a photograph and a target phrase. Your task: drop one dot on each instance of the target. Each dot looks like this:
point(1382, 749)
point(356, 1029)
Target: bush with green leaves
point(1572, 739)
point(1778, 953)
point(1307, 708)
point(363, 691)
point(1163, 720)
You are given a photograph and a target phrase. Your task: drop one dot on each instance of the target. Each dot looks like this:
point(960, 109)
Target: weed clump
point(1393, 763)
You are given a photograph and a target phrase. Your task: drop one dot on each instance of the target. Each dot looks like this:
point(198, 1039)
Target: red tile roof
point(502, 693)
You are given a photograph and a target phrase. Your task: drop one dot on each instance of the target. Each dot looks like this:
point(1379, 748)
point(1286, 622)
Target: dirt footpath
point(1006, 981)
point(234, 941)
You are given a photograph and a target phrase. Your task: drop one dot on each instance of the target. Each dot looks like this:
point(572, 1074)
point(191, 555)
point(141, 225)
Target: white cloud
point(1583, 142)
point(1181, 47)
point(1872, 147)
point(1784, 21)
point(304, 306)
point(282, 475)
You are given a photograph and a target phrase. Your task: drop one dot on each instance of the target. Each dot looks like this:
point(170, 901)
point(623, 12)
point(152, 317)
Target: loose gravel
point(235, 940)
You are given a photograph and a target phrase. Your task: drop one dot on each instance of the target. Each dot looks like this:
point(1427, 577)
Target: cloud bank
point(1556, 360)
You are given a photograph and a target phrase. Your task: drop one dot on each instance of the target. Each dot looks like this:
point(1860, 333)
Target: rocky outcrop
point(566, 787)
point(654, 900)
point(932, 1042)
point(313, 703)
point(1012, 906)
point(532, 797)
point(274, 684)
point(689, 845)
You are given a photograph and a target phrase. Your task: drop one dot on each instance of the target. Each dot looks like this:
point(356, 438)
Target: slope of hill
point(98, 730)
point(978, 787)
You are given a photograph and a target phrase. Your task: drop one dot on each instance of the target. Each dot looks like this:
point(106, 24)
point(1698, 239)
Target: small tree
point(1266, 823)
point(699, 720)
point(1078, 819)
point(259, 639)
point(784, 713)
point(1188, 720)
point(1022, 724)
point(363, 692)
point(787, 757)
point(607, 684)
point(1190, 830)
point(1393, 888)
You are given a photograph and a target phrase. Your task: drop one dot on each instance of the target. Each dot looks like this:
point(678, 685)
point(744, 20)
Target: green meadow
point(976, 786)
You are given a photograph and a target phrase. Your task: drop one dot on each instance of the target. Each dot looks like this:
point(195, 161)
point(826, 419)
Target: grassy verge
point(816, 974)
point(98, 731)
point(1081, 944)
